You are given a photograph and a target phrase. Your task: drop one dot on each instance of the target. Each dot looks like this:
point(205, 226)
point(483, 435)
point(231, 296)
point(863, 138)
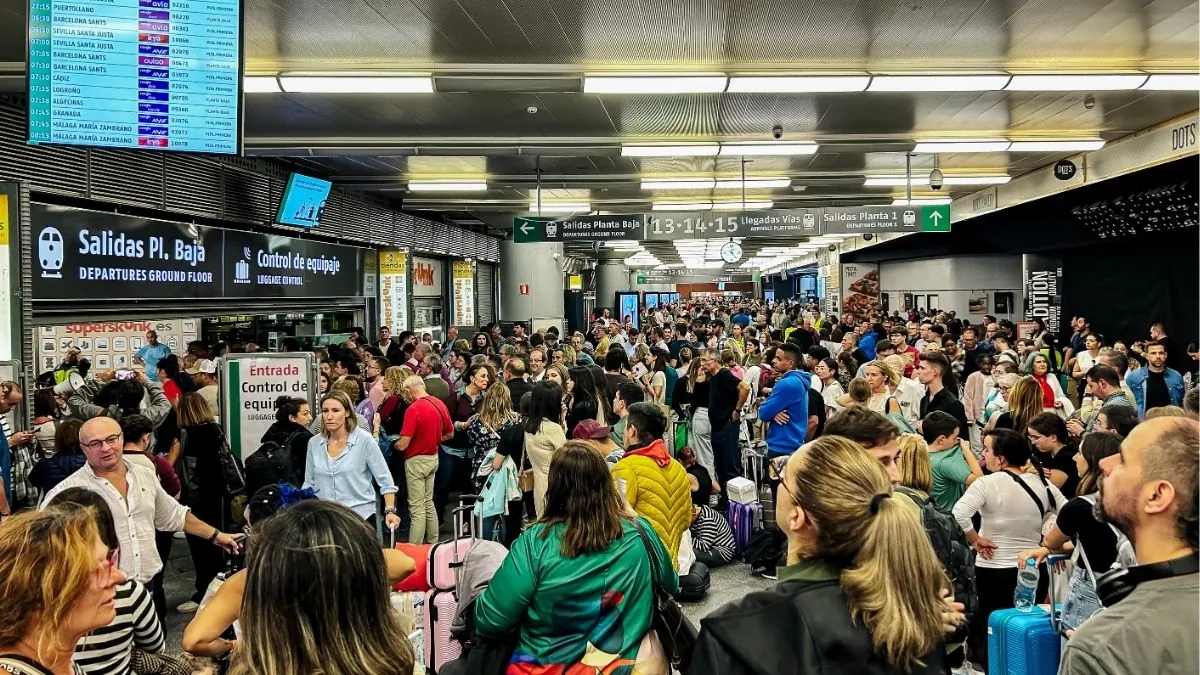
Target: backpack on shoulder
point(957, 557)
point(271, 464)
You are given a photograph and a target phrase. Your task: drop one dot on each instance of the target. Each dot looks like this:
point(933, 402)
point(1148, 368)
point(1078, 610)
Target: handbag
point(524, 476)
point(677, 634)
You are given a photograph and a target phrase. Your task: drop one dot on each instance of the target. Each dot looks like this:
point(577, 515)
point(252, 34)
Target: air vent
point(524, 84)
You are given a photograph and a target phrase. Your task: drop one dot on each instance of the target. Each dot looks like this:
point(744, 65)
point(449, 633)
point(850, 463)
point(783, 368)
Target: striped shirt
point(23, 493)
point(106, 651)
point(711, 533)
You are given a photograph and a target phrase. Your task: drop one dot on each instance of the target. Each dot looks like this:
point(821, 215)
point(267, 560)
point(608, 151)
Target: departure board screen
point(148, 74)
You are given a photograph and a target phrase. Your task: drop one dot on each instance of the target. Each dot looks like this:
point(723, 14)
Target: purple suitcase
point(441, 603)
point(743, 520)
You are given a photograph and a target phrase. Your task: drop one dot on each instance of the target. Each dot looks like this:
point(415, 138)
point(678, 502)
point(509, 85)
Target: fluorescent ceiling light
point(768, 148)
point(356, 84)
point(695, 206)
point(1174, 82)
point(559, 208)
point(1075, 82)
point(938, 82)
point(947, 146)
point(918, 201)
point(622, 243)
point(740, 206)
point(446, 186)
point(680, 184)
point(260, 85)
point(751, 183)
point(671, 150)
point(898, 181)
point(796, 84)
point(699, 83)
point(1056, 146)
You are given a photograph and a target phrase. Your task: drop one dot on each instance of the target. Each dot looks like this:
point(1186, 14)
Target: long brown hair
point(194, 411)
point(1024, 403)
point(890, 577)
point(582, 496)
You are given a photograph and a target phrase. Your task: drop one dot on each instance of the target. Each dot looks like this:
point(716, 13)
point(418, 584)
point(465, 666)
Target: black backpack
point(952, 550)
point(271, 464)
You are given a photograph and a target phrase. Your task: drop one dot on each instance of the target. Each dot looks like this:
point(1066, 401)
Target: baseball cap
point(589, 429)
point(206, 366)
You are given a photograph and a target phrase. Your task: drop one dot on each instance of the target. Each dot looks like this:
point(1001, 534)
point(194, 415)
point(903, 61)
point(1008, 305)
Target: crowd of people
point(911, 467)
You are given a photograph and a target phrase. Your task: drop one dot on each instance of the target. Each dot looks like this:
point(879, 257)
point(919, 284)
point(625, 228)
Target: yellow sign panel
point(393, 261)
point(463, 269)
point(575, 282)
point(4, 220)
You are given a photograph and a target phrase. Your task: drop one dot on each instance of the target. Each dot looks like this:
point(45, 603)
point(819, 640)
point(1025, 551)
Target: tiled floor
point(729, 583)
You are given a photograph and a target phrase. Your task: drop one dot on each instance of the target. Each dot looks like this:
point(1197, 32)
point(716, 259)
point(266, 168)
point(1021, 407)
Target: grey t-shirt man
point(1151, 631)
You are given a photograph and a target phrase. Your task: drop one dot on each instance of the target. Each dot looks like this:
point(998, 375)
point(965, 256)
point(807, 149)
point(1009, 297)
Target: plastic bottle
point(1027, 583)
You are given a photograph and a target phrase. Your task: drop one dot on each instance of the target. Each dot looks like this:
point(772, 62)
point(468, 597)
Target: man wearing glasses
point(537, 364)
point(139, 504)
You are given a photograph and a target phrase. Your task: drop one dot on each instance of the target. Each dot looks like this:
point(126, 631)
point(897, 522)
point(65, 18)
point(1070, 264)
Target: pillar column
point(611, 276)
point(538, 267)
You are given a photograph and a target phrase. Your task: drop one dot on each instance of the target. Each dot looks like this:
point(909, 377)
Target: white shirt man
point(537, 364)
point(139, 504)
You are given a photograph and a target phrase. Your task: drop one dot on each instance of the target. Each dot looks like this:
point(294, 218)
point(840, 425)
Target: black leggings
point(995, 588)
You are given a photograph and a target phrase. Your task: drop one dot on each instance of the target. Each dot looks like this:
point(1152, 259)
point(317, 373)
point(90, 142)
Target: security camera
point(832, 248)
point(867, 236)
point(936, 180)
point(1089, 102)
point(777, 132)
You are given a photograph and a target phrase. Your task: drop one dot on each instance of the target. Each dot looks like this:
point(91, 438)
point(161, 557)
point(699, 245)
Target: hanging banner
point(250, 384)
point(1041, 275)
point(6, 327)
point(370, 272)
point(428, 275)
point(860, 289)
point(393, 286)
point(462, 273)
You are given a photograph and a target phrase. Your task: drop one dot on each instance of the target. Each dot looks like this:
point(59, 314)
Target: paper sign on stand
point(250, 384)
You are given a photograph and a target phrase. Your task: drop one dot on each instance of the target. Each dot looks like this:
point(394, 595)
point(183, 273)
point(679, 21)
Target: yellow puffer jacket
point(658, 489)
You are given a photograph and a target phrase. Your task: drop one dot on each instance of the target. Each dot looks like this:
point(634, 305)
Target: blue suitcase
point(743, 519)
point(1022, 643)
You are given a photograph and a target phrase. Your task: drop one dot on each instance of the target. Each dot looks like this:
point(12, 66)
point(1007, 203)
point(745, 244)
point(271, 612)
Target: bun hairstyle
point(288, 406)
point(1014, 448)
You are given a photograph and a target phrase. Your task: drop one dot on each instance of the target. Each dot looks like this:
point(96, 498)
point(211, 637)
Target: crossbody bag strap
point(1029, 491)
point(649, 550)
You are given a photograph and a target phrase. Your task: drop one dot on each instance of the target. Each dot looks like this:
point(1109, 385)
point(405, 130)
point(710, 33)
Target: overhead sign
point(393, 287)
point(688, 277)
point(783, 223)
point(89, 255)
point(250, 384)
point(462, 273)
point(1064, 169)
point(112, 344)
point(1041, 275)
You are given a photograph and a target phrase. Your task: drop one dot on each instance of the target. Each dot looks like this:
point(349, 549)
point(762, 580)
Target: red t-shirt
point(425, 422)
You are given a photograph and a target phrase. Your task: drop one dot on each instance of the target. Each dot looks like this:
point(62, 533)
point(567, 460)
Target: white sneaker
point(188, 607)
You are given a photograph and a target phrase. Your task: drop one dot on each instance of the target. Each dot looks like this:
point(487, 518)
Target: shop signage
point(370, 272)
point(250, 384)
point(111, 344)
point(89, 255)
point(1064, 169)
point(860, 288)
point(790, 223)
point(462, 273)
point(393, 286)
point(427, 277)
point(6, 266)
point(1041, 275)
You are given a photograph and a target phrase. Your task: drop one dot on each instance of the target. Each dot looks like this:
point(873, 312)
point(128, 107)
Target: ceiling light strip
point(356, 84)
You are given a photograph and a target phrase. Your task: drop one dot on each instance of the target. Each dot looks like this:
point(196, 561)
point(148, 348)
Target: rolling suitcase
point(742, 520)
point(1025, 643)
point(441, 602)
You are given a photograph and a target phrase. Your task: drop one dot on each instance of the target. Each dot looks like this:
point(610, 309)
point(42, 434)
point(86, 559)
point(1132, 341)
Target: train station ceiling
point(503, 97)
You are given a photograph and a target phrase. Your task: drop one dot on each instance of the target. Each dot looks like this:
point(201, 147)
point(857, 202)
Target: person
point(544, 435)
point(933, 371)
point(1053, 397)
point(726, 397)
point(1118, 419)
point(581, 396)
point(599, 437)
point(1155, 385)
point(1024, 404)
point(852, 550)
point(135, 493)
point(650, 481)
point(45, 416)
point(952, 465)
point(978, 387)
point(344, 463)
point(496, 437)
point(1095, 543)
point(59, 583)
point(138, 434)
point(882, 379)
point(426, 424)
point(514, 379)
point(628, 393)
point(787, 404)
point(913, 464)
point(1103, 384)
point(826, 372)
point(712, 538)
point(343, 625)
point(66, 460)
point(108, 650)
point(605, 415)
point(1148, 491)
point(151, 353)
point(578, 584)
point(1013, 505)
point(119, 398)
point(290, 432)
point(1055, 451)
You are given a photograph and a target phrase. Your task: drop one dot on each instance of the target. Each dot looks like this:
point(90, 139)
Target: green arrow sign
point(935, 218)
point(528, 230)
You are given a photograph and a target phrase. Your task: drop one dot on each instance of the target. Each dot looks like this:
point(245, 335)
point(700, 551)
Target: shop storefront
point(429, 292)
point(98, 281)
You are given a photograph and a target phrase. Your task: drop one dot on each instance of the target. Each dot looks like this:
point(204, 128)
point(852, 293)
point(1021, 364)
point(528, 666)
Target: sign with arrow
point(579, 228)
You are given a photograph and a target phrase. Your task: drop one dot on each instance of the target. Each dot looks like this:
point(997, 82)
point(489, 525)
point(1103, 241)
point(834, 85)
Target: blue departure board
point(149, 74)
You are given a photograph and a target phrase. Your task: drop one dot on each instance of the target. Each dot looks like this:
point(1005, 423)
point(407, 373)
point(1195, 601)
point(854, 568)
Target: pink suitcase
point(441, 603)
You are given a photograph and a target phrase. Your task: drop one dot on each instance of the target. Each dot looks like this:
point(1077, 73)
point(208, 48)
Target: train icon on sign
point(910, 218)
point(50, 252)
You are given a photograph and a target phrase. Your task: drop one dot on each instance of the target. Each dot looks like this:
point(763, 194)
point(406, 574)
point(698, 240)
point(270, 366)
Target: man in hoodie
point(655, 485)
point(786, 408)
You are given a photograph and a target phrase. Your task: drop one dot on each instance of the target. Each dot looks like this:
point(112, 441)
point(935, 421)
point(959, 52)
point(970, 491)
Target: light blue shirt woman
point(344, 466)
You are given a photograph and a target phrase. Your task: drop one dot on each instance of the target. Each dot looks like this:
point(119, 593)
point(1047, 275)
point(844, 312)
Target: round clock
point(731, 252)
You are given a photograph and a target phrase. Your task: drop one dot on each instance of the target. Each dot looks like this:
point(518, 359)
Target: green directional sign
point(641, 279)
point(528, 230)
point(935, 218)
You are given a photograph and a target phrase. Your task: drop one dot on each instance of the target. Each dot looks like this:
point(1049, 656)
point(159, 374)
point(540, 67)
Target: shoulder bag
point(677, 634)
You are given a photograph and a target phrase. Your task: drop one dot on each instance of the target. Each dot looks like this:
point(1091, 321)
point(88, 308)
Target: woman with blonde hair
point(883, 379)
point(916, 472)
point(857, 558)
point(1024, 404)
point(496, 435)
point(58, 583)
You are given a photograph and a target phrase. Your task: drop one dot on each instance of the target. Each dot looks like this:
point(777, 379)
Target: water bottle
point(1027, 583)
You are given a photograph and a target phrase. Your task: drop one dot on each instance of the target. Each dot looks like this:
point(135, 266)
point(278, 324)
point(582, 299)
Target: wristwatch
point(213, 537)
point(391, 510)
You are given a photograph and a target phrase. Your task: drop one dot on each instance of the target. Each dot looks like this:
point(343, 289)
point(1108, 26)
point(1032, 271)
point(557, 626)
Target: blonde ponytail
point(891, 578)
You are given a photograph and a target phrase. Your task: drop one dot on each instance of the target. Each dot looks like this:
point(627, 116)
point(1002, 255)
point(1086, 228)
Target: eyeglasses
point(113, 561)
point(115, 439)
